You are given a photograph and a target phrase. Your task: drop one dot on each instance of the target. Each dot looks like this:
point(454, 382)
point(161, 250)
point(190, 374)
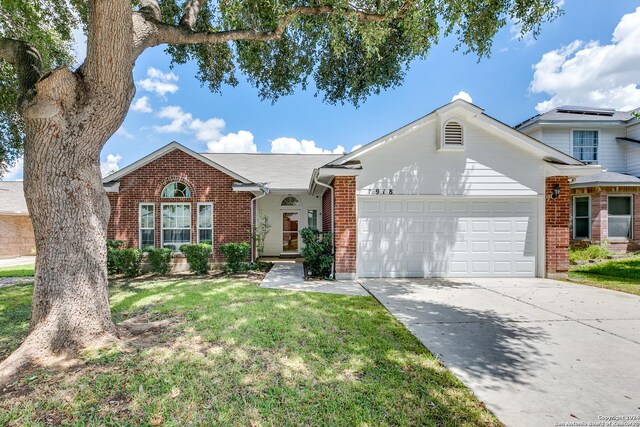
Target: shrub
point(159, 260)
point(122, 260)
point(235, 255)
point(197, 257)
point(262, 229)
point(129, 261)
point(317, 252)
point(115, 244)
point(591, 252)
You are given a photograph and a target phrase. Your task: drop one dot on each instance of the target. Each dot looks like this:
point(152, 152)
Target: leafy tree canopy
point(349, 49)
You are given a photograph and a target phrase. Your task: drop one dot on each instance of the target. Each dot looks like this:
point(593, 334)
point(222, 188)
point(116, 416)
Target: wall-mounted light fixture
point(555, 192)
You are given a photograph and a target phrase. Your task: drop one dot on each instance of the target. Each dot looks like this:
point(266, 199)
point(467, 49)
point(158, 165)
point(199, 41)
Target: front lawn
point(620, 275)
point(27, 270)
point(242, 355)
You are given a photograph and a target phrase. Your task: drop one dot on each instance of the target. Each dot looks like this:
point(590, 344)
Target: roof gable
point(167, 149)
point(482, 119)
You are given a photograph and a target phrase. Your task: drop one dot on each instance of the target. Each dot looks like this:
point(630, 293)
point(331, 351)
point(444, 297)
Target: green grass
point(620, 275)
point(588, 253)
point(244, 356)
point(18, 271)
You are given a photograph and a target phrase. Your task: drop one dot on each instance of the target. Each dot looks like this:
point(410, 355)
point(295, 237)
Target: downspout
point(333, 227)
point(253, 241)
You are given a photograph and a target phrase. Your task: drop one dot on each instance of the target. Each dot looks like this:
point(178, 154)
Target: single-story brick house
point(455, 193)
point(16, 231)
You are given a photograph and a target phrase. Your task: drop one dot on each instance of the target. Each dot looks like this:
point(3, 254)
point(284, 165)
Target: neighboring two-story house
point(605, 206)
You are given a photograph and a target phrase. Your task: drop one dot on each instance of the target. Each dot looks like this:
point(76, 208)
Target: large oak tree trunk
point(66, 128)
point(69, 210)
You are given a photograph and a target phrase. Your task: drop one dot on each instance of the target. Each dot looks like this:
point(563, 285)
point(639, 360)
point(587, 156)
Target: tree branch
point(172, 34)
point(27, 63)
point(191, 11)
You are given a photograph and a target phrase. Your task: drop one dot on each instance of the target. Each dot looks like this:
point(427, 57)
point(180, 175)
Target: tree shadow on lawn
point(246, 355)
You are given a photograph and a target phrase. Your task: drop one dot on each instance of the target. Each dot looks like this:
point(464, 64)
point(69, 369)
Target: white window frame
point(162, 205)
point(598, 160)
point(588, 197)
point(140, 205)
point(198, 220)
point(621, 239)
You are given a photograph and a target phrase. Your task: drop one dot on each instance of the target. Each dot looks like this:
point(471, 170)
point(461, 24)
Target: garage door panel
point(456, 237)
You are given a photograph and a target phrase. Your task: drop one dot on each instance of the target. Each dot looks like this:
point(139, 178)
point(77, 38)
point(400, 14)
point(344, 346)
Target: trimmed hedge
point(197, 257)
point(159, 260)
point(235, 255)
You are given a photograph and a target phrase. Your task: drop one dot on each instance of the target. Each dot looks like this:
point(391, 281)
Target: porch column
point(345, 226)
point(557, 225)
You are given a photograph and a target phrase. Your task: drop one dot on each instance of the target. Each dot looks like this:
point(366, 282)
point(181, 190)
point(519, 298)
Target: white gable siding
point(634, 131)
point(633, 150)
point(633, 159)
point(410, 164)
point(611, 154)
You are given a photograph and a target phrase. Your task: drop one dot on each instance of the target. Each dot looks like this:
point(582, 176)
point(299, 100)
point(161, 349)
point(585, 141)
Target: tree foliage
point(344, 50)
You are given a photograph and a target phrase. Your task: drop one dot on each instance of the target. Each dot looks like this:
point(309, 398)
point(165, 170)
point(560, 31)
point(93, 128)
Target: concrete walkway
point(537, 352)
point(289, 276)
point(23, 260)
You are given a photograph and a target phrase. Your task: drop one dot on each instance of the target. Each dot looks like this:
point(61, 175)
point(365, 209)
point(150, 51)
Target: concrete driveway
point(537, 352)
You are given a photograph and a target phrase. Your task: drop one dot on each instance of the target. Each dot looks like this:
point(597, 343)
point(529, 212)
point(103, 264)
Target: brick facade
point(16, 236)
point(345, 225)
point(600, 217)
point(231, 210)
point(557, 225)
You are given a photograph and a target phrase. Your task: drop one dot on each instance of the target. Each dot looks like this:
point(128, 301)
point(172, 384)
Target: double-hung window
point(619, 210)
point(205, 223)
point(147, 226)
point(585, 145)
point(581, 218)
point(176, 225)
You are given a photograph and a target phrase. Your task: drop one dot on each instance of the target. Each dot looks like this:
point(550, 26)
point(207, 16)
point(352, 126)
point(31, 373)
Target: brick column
point(557, 226)
point(599, 217)
point(345, 226)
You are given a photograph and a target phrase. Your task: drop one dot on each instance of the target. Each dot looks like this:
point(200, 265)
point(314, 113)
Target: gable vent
point(453, 133)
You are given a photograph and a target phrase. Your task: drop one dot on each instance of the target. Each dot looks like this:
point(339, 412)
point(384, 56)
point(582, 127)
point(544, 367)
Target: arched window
point(290, 201)
point(176, 190)
point(453, 134)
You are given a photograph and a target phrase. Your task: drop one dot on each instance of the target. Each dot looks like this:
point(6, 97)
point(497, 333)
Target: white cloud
point(208, 130)
point(241, 142)
point(142, 105)
point(356, 147)
point(293, 146)
point(158, 82)
point(15, 172)
point(462, 95)
point(124, 133)
point(180, 119)
point(592, 74)
point(110, 165)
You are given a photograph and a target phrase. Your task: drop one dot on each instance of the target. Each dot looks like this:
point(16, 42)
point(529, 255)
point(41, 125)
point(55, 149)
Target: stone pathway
point(289, 276)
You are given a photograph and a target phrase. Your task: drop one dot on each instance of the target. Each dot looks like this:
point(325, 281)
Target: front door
point(290, 237)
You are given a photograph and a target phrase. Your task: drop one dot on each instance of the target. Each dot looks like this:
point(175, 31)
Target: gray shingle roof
point(606, 179)
point(12, 199)
point(277, 171)
point(572, 113)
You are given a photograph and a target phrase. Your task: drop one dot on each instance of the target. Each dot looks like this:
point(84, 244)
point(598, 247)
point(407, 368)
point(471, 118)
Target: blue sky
point(578, 59)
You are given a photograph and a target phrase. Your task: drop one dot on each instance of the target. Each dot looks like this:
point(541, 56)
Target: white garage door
point(446, 237)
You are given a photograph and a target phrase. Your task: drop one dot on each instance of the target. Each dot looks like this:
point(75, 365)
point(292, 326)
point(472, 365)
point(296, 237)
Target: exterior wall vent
point(453, 134)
